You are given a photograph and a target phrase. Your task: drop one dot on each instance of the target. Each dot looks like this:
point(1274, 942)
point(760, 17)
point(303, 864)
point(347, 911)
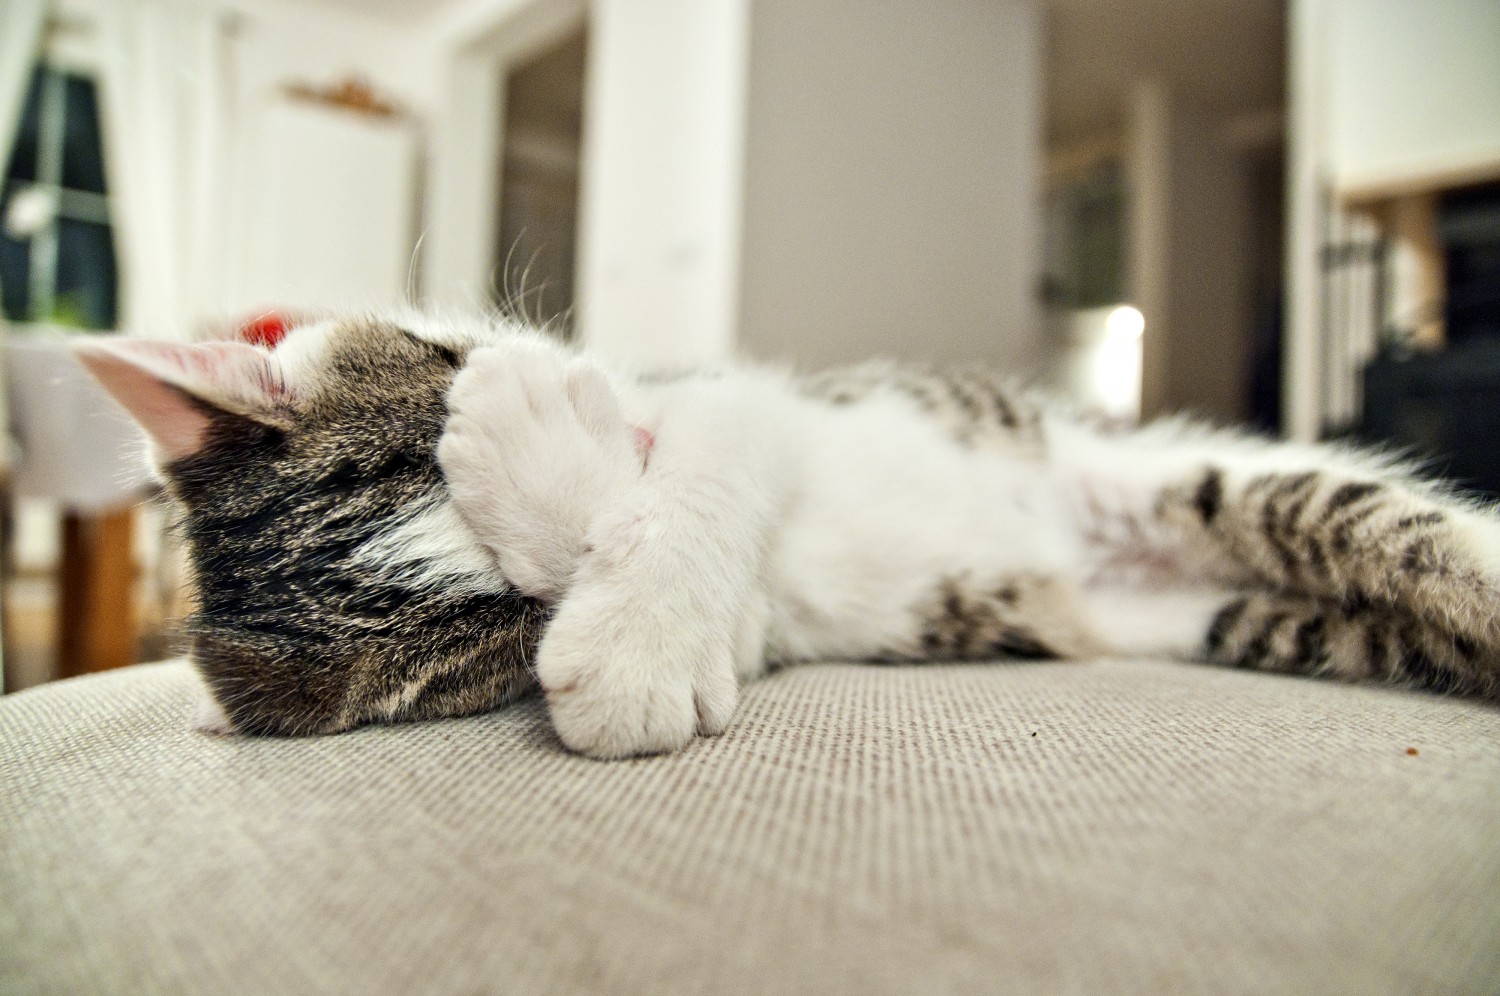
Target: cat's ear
point(173, 389)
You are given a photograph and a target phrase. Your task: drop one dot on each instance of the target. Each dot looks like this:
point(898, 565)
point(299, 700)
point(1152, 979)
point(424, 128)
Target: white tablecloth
point(74, 445)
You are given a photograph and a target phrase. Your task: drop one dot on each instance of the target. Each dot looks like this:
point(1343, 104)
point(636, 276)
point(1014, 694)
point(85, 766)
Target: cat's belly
point(890, 511)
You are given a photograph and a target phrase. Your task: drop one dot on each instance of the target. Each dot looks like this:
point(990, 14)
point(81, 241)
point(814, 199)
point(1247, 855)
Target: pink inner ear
point(157, 383)
point(176, 426)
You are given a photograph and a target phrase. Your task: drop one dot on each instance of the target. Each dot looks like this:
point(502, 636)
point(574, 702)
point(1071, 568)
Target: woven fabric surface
point(1099, 828)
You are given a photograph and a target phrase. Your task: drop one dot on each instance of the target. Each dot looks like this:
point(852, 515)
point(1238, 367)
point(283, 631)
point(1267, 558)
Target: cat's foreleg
point(750, 660)
point(535, 448)
point(659, 622)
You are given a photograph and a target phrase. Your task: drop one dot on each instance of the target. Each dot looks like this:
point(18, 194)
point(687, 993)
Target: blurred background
point(1278, 212)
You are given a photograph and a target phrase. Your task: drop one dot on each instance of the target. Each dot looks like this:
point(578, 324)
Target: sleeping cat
point(397, 518)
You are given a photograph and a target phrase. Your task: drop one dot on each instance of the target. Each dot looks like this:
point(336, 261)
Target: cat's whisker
point(411, 267)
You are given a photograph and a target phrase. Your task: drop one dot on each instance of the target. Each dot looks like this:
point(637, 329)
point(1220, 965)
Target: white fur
point(209, 716)
point(885, 505)
point(434, 547)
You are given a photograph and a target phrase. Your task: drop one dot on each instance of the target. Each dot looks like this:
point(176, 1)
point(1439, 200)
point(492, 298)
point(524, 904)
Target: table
point(74, 446)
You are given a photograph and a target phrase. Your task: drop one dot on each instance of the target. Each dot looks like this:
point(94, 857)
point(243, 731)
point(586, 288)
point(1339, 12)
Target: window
point(57, 254)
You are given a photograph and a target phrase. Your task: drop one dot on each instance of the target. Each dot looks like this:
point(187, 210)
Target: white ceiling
point(1226, 55)
point(404, 11)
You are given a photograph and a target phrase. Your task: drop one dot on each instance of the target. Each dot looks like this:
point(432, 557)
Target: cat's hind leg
point(1394, 559)
point(1357, 540)
point(1152, 622)
point(1289, 634)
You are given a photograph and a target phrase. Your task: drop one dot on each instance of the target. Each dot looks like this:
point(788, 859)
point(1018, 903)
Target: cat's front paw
point(622, 682)
point(534, 447)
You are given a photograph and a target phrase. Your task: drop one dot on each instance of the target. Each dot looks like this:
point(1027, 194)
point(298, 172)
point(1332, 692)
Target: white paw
point(535, 446)
point(622, 680)
point(210, 717)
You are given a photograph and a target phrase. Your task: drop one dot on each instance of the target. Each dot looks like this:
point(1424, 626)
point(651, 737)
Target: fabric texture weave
point(1109, 827)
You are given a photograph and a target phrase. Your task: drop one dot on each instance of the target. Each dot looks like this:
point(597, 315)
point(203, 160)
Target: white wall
point(330, 213)
point(891, 197)
point(270, 43)
point(1386, 97)
point(277, 41)
point(1413, 88)
point(663, 141)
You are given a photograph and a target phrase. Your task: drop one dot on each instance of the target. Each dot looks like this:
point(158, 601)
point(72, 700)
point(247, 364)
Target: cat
point(403, 517)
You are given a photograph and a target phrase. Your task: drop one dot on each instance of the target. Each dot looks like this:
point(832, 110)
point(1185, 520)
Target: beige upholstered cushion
point(1034, 828)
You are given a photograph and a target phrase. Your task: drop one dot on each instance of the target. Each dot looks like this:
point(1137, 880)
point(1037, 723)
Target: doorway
point(537, 228)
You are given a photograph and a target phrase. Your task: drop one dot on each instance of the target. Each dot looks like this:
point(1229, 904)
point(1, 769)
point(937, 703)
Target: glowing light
point(1104, 368)
point(1125, 324)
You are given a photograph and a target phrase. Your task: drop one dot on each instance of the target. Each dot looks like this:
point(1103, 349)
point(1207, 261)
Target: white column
point(1189, 270)
point(661, 199)
point(1301, 341)
point(463, 188)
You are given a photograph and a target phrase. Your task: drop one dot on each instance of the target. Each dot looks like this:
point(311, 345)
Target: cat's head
point(335, 583)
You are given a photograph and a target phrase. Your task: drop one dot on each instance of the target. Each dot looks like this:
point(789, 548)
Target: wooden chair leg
point(96, 610)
